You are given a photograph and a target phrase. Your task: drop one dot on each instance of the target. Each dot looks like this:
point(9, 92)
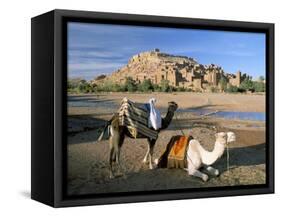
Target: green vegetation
point(259, 86)
point(145, 86)
point(83, 86)
point(164, 86)
point(223, 84)
point(248, 85)
point(130, 85)
point(79, 86)
point(253, 86)
point(232, 89)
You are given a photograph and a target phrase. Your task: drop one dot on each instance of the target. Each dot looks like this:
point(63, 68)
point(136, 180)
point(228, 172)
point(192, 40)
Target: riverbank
point(219, 101)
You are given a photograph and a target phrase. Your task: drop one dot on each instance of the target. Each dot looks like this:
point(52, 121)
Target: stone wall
point(235, 80)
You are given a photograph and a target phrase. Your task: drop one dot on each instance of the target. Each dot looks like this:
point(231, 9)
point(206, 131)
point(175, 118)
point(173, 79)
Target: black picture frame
point(49, 109)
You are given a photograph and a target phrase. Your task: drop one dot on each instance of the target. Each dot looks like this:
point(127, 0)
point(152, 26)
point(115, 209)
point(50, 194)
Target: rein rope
point(177, 125)
point(227, 159)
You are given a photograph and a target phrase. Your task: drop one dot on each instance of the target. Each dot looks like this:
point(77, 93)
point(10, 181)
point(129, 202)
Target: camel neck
point(211, 157)
point(167, 120)
point(219, 149)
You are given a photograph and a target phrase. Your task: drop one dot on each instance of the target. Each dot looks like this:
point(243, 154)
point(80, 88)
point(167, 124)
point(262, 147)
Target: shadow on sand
point(84, 128)
point(243, 156)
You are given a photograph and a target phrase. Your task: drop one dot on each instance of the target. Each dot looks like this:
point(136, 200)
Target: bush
point(118, 88)
point(164, 86)
point(156, 87)
point(84, 87)
point(130, 85)
point(223, 83)
point(107, 86)
point(180, 89)
point(259, 87)
point(232, 89)
point(247, 84)
point(146, 86)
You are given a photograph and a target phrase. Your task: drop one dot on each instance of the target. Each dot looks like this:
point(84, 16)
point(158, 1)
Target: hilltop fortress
point(180, 71)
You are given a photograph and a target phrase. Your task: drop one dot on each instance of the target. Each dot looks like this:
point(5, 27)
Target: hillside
point(180, 71)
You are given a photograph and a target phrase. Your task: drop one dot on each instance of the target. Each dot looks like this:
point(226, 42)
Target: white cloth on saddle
point(155, 120)
point(136, 118)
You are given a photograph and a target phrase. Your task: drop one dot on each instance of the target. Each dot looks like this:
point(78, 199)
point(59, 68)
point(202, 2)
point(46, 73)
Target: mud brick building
point(180, 71)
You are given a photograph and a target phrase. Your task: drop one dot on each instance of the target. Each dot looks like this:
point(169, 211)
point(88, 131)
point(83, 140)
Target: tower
point(238, 78)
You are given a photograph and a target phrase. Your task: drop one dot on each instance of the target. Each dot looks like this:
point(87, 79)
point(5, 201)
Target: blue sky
point(95, 49)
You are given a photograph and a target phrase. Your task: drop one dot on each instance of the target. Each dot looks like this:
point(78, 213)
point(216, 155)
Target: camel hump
point(125, 99)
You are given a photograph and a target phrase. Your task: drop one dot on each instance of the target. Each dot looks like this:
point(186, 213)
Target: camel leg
point(197, 173)
point(146, 155)
point(118, 150)
point(212, 170)
point(113, 146)
point(151, 143)
point(111, 157)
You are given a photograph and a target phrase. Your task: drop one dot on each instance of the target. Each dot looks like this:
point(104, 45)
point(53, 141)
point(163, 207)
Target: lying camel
point(198, 157)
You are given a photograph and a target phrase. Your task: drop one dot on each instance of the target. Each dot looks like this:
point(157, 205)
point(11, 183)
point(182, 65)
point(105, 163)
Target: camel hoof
point(151, 167)
point(111, 176)
point(144, 161)
point(205, 178)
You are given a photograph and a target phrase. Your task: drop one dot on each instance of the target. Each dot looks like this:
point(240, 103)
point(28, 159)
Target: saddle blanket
point(136, 119)
point(175, 154)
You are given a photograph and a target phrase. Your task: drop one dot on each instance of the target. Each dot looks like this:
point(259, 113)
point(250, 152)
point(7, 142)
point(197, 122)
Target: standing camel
point(118, 134)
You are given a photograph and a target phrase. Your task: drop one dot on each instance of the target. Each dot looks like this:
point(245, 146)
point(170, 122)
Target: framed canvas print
point(131, 108)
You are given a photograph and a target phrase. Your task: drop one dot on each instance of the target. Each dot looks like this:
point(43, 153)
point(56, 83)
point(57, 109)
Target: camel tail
point(106, 128)
point(103, 132)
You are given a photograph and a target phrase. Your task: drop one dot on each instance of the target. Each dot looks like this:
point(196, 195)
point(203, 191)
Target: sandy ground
point(88, 159)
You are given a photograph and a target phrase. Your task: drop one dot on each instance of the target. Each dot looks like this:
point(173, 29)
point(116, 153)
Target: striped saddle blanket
point(135, 118)
point(175, 154)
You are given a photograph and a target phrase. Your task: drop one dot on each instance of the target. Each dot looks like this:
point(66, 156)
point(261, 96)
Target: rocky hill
point(180, 71)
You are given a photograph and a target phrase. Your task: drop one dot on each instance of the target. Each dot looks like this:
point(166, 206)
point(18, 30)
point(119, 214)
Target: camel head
point(225, 138)
point(231, 137)
point(172, 106)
